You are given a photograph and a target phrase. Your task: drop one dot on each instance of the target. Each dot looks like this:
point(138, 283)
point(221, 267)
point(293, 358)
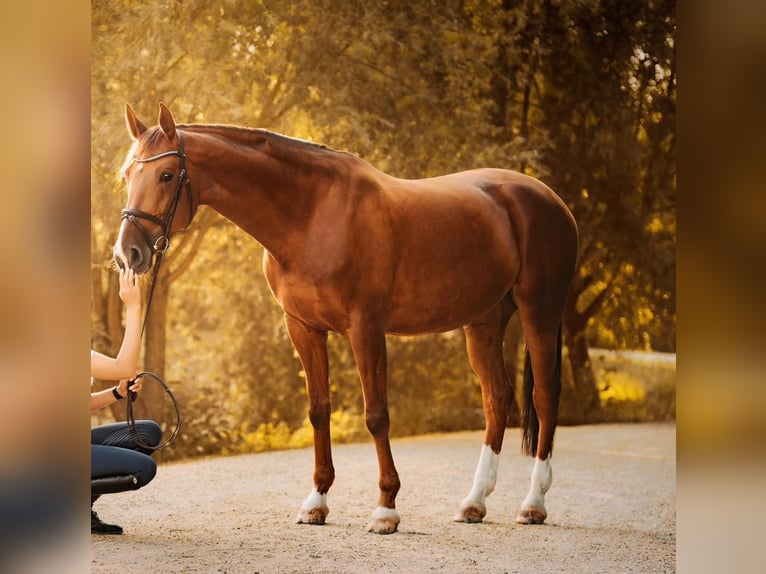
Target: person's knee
point(145, 471)
point(149, 431)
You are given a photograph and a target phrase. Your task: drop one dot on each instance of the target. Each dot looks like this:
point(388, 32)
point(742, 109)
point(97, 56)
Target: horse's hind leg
point(311, 346)
point(484, 341)
point(542, 332)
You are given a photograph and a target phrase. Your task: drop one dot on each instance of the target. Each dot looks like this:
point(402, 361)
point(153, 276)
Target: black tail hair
point(530, 422)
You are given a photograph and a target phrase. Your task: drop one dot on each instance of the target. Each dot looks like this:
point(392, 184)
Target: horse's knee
point(319, 414)
point(377, 421)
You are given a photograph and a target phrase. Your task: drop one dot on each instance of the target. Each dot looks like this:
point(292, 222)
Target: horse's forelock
point(147, 141)
point(128, 160)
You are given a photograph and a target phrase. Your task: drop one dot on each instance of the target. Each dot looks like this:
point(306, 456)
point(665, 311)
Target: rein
point(131, 417)
point(159, 246)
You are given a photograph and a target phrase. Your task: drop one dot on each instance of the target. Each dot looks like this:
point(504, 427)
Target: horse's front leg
point(368, 343)
point(311, 346)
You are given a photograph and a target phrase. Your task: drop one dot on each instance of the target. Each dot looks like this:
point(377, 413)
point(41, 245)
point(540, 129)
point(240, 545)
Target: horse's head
point(158, 187)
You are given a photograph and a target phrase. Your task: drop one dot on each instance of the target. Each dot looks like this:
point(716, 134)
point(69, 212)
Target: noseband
point(161, 244)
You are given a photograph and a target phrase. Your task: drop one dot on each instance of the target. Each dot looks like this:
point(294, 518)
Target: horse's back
point(514, 207)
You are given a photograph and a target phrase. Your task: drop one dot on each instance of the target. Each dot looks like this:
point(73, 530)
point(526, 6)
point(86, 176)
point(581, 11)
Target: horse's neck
point(266, 184)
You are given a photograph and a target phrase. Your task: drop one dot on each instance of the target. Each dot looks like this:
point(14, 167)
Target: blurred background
point(45, 198)
point(429, 67)
point(579, 94)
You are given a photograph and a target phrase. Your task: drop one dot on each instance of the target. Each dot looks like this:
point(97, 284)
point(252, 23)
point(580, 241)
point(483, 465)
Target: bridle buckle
point(162, 244)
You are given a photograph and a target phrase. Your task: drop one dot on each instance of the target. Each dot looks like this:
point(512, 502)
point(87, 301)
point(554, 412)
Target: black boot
point(99, 527)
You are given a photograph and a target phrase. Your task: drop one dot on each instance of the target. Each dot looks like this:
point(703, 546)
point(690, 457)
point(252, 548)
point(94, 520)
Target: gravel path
point(611, 508)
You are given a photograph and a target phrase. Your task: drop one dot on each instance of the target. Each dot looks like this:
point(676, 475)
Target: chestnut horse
point(353, 250)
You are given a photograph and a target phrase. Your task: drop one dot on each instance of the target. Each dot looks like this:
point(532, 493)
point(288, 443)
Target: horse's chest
point(308, 292)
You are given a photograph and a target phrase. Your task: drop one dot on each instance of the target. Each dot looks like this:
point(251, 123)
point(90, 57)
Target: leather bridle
point(161, 244)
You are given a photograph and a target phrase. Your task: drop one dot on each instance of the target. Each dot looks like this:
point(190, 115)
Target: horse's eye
point(166, 177)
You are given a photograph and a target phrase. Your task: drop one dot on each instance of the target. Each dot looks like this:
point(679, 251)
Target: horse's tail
point(531, 424)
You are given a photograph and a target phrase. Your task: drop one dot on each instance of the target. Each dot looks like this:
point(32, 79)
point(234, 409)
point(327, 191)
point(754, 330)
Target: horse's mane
point(154, 136)
point(255, 134)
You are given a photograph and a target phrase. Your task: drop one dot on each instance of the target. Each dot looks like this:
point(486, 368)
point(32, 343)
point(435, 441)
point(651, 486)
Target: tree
point(607, 82)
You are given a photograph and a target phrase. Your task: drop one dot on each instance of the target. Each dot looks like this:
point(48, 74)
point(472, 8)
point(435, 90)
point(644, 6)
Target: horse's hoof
point(383, 521)
point(314, 509)
point(312, 516)
point(471, 513)
point(532, 516)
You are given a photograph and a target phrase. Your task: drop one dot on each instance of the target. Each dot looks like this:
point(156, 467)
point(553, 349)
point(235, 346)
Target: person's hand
point(122, 387)
point(130, 292)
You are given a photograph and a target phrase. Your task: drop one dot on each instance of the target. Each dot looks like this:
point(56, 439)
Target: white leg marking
point(381, 512)
point(533, 508)
point(383, 520)
point(485, 477)
point(117, 252)
point(314, 509)
point(473, 509)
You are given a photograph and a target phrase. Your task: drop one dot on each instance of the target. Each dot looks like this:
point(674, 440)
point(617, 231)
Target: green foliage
point(636, 389)
point(431, 385)
point(609, 114)
point(344, 427)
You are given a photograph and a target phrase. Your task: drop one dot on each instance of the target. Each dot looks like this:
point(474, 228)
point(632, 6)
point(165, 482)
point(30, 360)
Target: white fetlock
point(533, 508)
point(383, 520)
point(473, 508)
point(314, 509)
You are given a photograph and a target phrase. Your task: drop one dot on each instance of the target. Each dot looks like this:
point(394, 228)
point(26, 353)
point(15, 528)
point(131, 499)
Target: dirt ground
point(612, 508)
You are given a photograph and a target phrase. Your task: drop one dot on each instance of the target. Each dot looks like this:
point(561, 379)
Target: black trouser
point(114, 452)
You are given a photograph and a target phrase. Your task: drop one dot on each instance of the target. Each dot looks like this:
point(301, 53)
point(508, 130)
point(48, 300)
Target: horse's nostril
point(134, 257)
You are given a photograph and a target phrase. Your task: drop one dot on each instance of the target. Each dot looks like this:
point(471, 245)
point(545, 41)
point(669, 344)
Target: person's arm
point(104, 398)
point(125, 364)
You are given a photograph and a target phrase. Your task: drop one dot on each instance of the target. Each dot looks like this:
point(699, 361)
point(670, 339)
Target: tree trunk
point(580, 402)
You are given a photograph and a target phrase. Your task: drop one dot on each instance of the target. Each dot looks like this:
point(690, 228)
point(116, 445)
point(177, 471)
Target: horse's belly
point(426, 301)
point(443, 299)
point(434, 320)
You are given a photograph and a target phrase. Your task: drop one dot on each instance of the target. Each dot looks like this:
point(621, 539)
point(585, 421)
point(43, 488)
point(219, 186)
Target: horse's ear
point(135, 127)
point(166, 121)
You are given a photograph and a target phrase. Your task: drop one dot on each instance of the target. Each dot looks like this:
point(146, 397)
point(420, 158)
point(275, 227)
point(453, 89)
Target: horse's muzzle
point(134, 255)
